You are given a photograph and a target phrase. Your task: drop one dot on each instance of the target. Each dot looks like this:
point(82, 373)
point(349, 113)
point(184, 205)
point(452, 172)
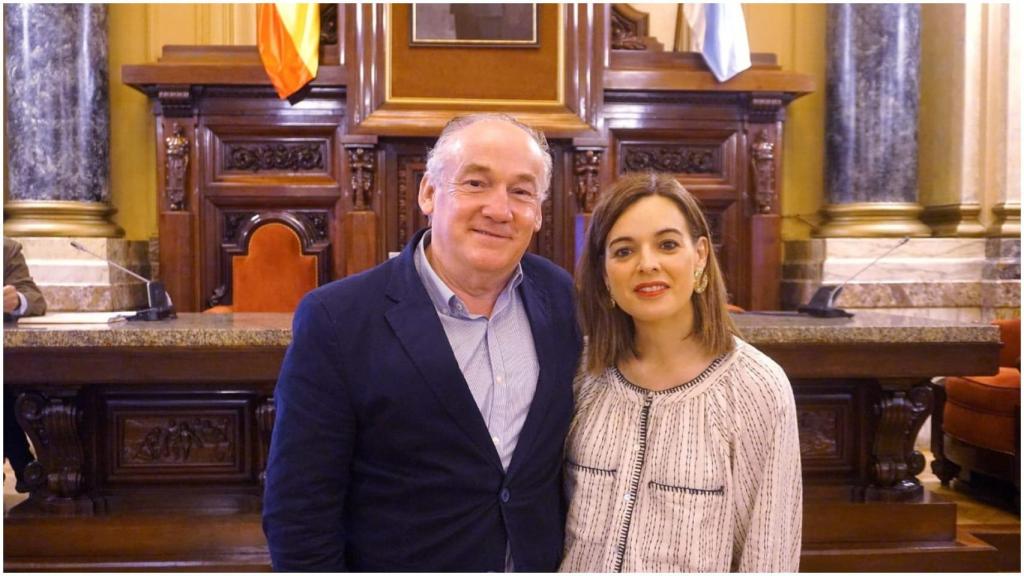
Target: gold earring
point(613, 302)
point(700, 280)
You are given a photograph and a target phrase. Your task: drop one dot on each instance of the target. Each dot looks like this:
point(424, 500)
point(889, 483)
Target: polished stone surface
point(232, 330)
point(872, 76)
point(57, 133)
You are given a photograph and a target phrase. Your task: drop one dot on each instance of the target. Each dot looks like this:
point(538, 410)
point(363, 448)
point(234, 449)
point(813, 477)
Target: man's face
point(487, 206)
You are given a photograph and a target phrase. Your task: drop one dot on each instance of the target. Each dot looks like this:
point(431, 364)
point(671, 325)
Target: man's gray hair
point(438, 155)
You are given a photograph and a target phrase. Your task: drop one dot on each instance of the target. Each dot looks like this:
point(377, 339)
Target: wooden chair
point(976, 421)
point(273, 275)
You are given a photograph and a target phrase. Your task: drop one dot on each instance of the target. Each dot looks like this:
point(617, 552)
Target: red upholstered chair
point(978, 427)
point(274, 275)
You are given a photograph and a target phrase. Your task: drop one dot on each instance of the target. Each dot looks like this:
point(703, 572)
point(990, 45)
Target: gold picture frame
point(483, 25)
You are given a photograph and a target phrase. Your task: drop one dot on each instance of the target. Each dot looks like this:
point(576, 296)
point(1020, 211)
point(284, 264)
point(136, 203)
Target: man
point(423, 404)
point(21, 298)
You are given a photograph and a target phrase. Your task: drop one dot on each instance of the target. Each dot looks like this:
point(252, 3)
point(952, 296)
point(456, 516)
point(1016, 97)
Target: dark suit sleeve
point(311, 449)
point(16, 274)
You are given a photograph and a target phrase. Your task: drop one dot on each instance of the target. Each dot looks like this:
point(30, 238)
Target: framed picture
point(498, 25)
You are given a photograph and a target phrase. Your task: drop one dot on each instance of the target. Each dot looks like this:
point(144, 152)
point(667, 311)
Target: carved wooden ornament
point(588, 183)
point(177, 167)
point(762, 158)
point(361, 163)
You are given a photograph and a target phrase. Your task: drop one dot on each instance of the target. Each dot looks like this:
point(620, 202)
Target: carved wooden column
point(764, 135)
point(53, 423)
point(360, 222)
point(176, 153)
point(900, 413)
point(587, 188)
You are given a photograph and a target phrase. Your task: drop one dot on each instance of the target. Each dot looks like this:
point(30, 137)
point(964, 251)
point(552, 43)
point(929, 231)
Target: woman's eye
point(669, 245)
point(621, 252)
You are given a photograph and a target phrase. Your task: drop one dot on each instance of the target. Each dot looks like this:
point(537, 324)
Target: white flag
point(719, 33)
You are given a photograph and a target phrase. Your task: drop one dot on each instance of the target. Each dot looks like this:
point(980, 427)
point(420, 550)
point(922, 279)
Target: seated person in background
point(21, 298)
point(21, 295)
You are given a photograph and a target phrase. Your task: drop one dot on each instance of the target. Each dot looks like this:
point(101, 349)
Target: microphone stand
point(821, 306)
point(160, 305)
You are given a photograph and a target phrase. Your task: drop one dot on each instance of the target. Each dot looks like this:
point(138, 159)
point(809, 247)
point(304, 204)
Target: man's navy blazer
point(380, 459)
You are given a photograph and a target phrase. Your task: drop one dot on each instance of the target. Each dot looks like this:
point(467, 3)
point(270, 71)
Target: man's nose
point(498, 206)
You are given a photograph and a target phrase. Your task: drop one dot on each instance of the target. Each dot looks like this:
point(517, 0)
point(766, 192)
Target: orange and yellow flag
point(288, 38)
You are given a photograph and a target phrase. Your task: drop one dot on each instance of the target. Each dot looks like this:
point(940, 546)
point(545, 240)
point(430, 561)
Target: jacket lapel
point(539, 312)
point(419, 330)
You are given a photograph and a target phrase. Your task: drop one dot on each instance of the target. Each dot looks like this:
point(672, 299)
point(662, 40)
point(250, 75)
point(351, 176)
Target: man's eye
point(523, 192)
point(473, 183)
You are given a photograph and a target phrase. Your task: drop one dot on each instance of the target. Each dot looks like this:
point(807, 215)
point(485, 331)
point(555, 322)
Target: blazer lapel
point(538, 311)
point(421, 334)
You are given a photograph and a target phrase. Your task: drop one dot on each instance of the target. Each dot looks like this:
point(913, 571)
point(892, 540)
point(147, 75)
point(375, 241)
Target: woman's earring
point(700, 280)
point(612, 300)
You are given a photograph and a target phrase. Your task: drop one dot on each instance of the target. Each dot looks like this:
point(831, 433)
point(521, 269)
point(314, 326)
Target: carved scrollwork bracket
point(362, 163)
point(53, 425)
point(900, 415)
point(762, 159)
point(176, 174)
point(587, 169)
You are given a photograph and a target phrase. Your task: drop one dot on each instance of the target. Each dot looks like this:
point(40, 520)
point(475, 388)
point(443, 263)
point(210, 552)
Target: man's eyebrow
point(473, 167)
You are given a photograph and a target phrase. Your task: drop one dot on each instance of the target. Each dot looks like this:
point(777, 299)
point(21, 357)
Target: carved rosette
point(265, 413)
point(895, 462)
point(52, 424)
point(361, 164)
point(674, 159)
point(176, 173)
point(303, 157)
point(588, 182)
point(762, 159)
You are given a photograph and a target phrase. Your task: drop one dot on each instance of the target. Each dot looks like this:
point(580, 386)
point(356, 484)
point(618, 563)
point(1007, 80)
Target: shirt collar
point(444, 299)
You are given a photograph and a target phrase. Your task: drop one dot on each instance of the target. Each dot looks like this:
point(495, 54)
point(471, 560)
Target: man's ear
point(426, 195)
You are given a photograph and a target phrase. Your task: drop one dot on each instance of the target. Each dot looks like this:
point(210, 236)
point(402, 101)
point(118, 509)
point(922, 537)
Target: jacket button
point(505, 495)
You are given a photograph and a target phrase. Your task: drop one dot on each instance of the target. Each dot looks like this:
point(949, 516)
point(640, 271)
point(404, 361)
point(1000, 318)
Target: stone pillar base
point(1007, 224)
point(957, 220)
point(60, 218)
point(966, 279)
point(873, 220)
point(73, 281)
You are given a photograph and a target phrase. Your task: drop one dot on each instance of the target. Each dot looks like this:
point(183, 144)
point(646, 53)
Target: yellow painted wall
point(137, 34)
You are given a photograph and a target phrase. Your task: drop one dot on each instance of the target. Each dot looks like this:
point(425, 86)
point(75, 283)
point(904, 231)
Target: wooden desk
point(152, 439)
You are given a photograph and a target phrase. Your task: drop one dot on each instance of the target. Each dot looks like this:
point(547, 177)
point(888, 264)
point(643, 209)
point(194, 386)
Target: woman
point(683, 452)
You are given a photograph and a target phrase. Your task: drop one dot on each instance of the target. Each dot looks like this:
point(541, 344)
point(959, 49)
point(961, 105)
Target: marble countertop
point(261, 329)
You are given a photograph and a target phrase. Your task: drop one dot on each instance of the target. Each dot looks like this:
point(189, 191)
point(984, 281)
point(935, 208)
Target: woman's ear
point(703, 249)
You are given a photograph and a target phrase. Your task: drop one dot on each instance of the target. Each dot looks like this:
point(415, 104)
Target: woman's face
point(650, 262)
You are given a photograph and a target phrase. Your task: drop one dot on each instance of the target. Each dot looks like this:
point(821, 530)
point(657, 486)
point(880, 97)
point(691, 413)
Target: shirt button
point(498, 379)
point(627, 497)
point(496, 440)
point(505, 495)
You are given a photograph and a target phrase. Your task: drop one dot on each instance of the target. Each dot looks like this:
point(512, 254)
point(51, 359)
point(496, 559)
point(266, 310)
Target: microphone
point(160, 305)
point(821, 306)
